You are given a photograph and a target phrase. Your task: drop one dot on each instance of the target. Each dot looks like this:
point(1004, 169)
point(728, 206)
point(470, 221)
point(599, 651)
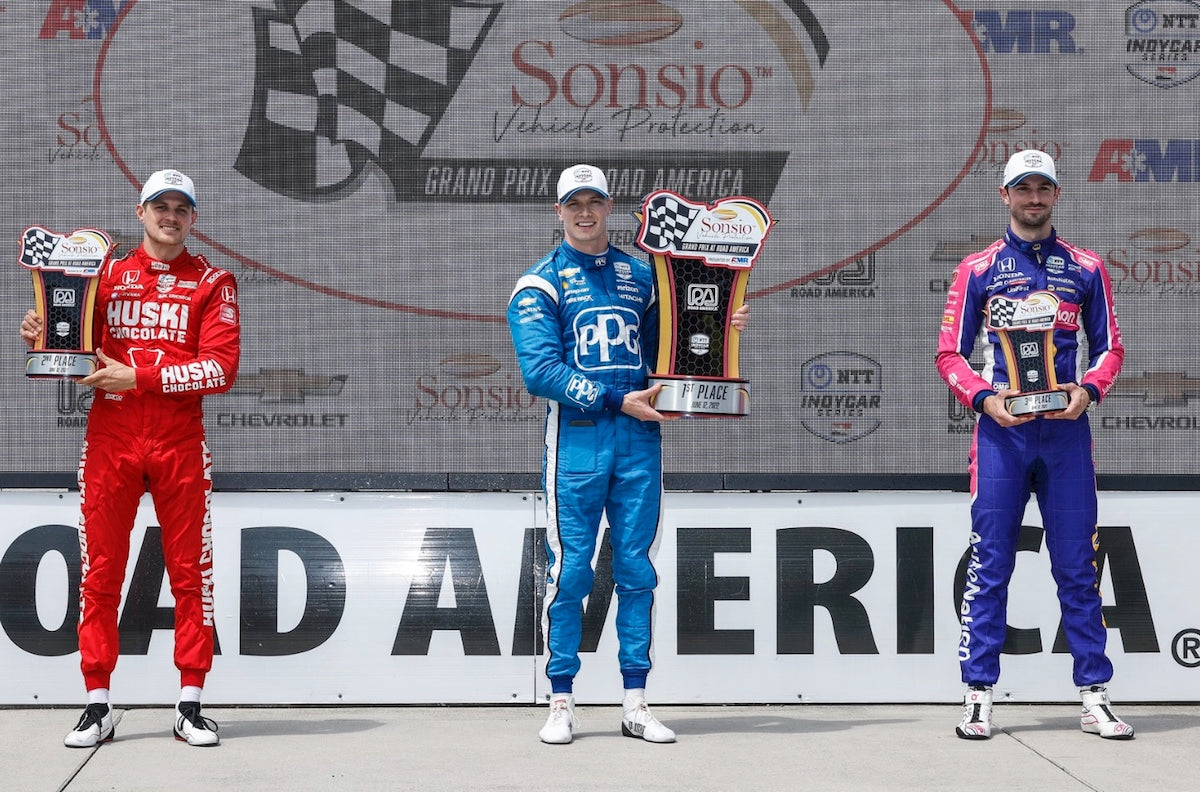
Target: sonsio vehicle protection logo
point(343, 118)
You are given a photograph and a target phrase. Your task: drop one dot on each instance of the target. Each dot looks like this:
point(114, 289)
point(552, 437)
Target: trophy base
point(701, 397)
point(59, 364)
point(1038, 403)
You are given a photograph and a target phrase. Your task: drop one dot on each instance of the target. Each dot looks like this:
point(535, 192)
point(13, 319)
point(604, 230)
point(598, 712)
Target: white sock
point(633, 698)
point(98, 696)
point(190, 693)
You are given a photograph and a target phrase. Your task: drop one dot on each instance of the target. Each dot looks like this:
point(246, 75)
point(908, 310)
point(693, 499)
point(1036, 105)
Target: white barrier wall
point(430, 598)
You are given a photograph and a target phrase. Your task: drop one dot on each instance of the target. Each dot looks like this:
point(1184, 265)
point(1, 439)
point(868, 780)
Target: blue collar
point(587, 259)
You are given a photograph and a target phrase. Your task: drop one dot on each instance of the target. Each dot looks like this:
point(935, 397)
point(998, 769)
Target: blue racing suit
point(579, 324)
point(1050, 457)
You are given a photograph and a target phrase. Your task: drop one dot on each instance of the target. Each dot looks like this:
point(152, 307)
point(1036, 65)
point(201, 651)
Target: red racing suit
point(177, 324)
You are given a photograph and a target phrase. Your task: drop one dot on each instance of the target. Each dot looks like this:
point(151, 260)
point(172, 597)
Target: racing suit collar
point(587, 259)
point(151, 264)
point(1030, 248)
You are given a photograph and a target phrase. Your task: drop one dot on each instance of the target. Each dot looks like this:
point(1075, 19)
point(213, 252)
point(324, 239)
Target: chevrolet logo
point(954, 251)
point(1159, 388)
point(288, 386)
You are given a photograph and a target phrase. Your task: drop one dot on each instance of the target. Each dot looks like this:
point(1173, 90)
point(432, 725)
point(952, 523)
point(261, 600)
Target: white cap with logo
point(1028, 163)
point(581, 177)
point(165, 181)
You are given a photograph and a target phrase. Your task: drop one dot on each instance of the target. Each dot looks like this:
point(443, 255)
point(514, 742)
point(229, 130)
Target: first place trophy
point(702, 255)
point(65, 270)
point(1025, 330)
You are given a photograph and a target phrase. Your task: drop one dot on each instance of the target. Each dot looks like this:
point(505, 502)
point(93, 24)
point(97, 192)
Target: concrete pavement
point(832, 748)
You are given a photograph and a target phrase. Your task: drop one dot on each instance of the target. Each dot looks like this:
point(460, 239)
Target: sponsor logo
point(1008, 133)
point(1143, 160)
point(1025, 32)
point(1036, 311)
point(1155, 261)
point(78, 137)
point(702, 297)
point(960, 419)
point(80, 19)
point(1162, 39)
point(855, 281)
point(72, 404)
point(841, 396)
point(286, 386)
point(197, 375)
point(582, 390)
point(607, 338)
point(147, 321)
point(1167, 391)
point(468, 387)
point(554, 94)
point(1159, 388)
point(63, 298)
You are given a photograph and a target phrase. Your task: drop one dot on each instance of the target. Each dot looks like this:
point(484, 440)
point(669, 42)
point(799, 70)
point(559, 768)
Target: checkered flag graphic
point(36, 246)
point(1000, 312)
point(667, 221)
point(343, 83)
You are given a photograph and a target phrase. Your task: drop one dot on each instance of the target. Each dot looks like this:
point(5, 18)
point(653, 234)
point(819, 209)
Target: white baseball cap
point(1027, 163)
point(165, 181)
point(581, 177)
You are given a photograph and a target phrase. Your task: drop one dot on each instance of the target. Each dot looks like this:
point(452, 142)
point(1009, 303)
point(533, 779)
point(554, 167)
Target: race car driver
point(168, 331)
point(1032, 272)
point(580, 320)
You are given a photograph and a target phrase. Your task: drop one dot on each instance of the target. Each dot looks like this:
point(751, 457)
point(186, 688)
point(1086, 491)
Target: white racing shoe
point(637, 721)
point(560, 725)
point(95, 726)
point(1097, 716)
point(976, 723)
point(193, 728)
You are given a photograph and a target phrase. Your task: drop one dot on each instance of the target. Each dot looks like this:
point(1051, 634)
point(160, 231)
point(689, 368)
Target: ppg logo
point(63, 298)
point(582, 390)
point(607, 338)
point(702, 297)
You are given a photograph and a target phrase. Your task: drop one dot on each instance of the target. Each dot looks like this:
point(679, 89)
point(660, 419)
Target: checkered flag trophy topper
point(1025, 330)
point(702, 255)
point(65, 270)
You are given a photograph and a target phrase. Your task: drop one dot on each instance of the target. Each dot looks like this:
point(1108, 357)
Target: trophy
point(1025, 330)
point(65, 270)
point(702, 255)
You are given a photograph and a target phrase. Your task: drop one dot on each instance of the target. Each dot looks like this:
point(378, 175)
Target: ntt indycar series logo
point(841, 396)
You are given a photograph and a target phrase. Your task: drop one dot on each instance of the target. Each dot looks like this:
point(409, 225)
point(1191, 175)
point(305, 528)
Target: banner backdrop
point(377, 174)
point(324, 598)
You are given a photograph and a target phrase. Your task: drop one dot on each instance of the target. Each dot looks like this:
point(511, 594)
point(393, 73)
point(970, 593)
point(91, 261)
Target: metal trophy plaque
point(65, 270)
point(1025, 329)
point(702, 255)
